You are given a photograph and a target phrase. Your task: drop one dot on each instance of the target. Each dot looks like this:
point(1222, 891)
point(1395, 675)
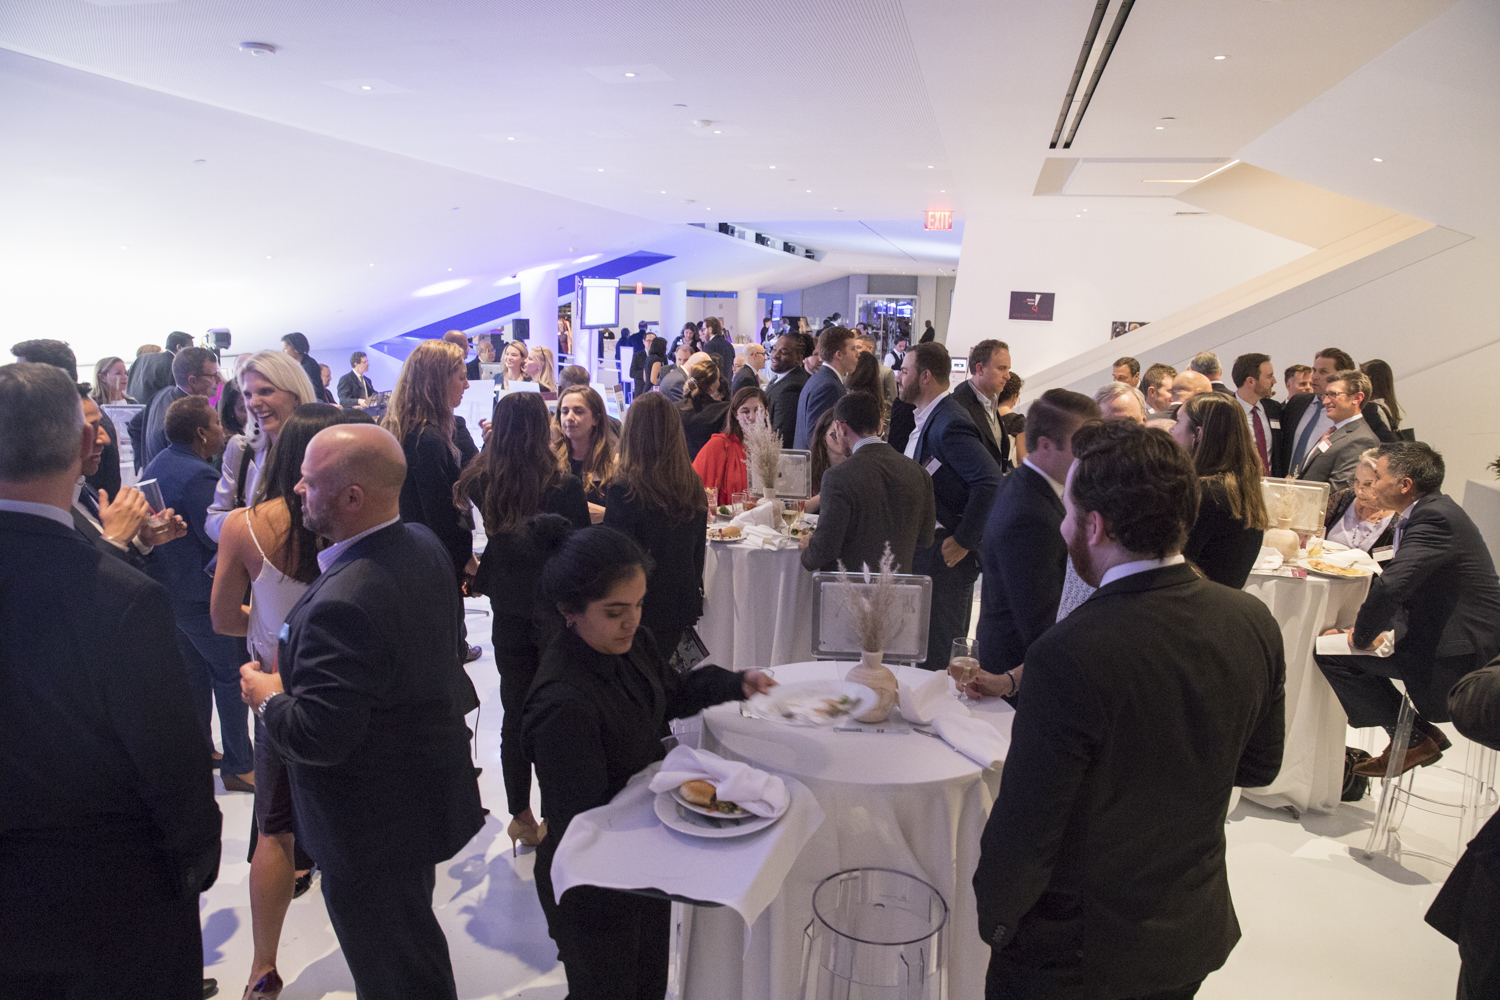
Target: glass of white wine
point(963, 664)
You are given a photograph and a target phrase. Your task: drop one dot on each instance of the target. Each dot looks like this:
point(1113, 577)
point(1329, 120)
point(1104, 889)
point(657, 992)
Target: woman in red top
point(721, 461)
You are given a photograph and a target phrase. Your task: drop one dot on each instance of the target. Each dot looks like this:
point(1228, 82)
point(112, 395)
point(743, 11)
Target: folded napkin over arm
point(752, 790)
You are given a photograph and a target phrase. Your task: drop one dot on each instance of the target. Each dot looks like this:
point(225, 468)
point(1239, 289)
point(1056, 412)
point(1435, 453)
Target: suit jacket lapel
point(1042, 488)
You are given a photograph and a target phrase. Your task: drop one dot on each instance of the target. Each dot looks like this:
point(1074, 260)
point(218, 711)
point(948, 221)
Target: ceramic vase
point(1283, 539)
point(878, 678)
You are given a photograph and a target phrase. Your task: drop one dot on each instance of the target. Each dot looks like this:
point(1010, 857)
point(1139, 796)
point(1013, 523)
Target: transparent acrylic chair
point(876, 934)
point(1474, 803)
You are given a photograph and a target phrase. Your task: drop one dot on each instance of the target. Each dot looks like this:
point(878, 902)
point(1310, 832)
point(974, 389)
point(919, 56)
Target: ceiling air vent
point(1090, 37)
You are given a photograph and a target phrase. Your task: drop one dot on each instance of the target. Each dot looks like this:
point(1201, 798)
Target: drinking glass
point(151, 490)
point(742, 501)
point(712, 492)
point(789, 511)
point(963, 664)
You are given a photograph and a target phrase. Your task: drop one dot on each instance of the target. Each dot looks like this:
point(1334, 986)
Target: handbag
point(1356, 786)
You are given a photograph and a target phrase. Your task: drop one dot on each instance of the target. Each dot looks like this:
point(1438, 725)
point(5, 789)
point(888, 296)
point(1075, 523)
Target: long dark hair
point(817, 446)
point(654, 464)
point(517, 467)
point(581, 566)
point(283, 470)
point(702, 381)
point(731, 421)
point(599, 465)
point(229, 399)
point(866, 377)
point(1225, 453)
point(1383, 387)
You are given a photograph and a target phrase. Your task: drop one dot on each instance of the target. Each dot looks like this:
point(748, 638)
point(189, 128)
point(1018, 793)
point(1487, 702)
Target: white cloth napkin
point(974, 738)
point(1351, 559)
point(1268, 559)
point(761, 515)
point(1339, 645)
point(924, 702)
point(767, 538)
point(752, 790)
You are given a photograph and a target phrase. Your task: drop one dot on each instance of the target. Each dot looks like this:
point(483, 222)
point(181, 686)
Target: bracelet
point(261, 710)
point(1015, 685)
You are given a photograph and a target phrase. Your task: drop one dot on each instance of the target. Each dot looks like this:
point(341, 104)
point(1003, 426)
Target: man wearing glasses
point(1334, 456)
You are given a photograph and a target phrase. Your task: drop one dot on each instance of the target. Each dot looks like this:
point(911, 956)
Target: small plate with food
point(725, 533)
point(814, 703)
point(693, 808)
point(1324, 568)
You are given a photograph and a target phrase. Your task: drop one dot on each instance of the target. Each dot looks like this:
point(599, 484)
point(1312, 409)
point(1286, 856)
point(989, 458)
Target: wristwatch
point(260, 710)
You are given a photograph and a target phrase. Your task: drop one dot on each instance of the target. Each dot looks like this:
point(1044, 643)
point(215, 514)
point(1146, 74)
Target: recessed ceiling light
point(809, 190)
point(1379, 160)
point(929, 166)
point(773, 168)
point(942, 190)
point(630, 74)
point(1219, 58)
point(364, 86)
point(1160, 127)
point(601, 170)
point(372, 265)
point(124, 248)
point(718, 131)
point(664, 192)
point(258, 48)
point(510, 138)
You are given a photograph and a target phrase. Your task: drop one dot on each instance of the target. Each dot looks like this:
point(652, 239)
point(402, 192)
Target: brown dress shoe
point(1438, 736)
point(1421, 755)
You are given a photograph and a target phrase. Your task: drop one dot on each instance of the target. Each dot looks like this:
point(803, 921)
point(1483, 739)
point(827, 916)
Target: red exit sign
point(938, 220)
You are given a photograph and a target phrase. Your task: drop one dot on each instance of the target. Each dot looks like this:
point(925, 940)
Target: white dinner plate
point(1362, 574)
point(803, 703)
point(743, 814)
point(674, 817)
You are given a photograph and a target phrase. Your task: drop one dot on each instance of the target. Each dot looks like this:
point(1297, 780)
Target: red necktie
point(1260, 439)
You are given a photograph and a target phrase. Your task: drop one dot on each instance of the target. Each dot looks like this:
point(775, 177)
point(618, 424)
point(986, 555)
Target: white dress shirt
point(1139, 566)
point(330, 555)
point(921, 419)
point(46, 510)
point(1322, 421)
point(1057, 487)
point(872, 439)
point(1256, 412)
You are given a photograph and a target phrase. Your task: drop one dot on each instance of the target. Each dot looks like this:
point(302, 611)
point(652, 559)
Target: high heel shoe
point(267, 987)
point(530, 834)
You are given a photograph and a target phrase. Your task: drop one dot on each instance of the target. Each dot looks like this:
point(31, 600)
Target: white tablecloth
point(1312, 765)
point(757, 607)
point(624, 845)
point(906, 801)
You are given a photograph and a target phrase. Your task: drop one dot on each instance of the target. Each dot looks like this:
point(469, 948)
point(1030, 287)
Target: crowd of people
point(303, 574)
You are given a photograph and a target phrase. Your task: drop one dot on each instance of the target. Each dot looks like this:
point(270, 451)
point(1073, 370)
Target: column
point(748, 324)
point(539, 305)
point(673, 309)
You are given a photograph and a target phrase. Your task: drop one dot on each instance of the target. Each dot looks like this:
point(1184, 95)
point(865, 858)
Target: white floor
point(1319, 922)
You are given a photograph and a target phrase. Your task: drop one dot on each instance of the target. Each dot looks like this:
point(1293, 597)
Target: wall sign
point(938, 220)
point(1032, 305)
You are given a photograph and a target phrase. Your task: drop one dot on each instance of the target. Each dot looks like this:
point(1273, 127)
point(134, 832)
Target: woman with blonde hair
point(420, 415)
point(110, 379)
point(539, 368)
point(586, 443)
point(273, 385)
point(512, 358)
point(1225, 540)
point(657, 499)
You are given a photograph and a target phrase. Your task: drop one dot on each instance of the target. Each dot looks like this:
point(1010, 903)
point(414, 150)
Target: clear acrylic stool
point(1474, 804)
point(876, 934)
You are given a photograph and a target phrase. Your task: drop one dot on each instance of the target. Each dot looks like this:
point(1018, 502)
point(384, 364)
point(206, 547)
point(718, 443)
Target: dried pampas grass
point(872, 600)
point(763, 451)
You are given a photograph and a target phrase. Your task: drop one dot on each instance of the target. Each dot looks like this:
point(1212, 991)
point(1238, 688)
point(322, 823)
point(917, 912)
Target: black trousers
point(1363, 686)
point(82, 921)
point(517, 659)
point(389, 934)
point(952, 598)
point(996, 989)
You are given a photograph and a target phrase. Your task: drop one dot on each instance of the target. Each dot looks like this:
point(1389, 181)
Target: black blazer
point(1219, 543)
point(313, 371)
point(510, 568)
point(674, 590)
point(155, 437)
point(1291, 415)
point(353, 388)
point(784, 396)
point(427, 494)
point(593, 720)
point(875, 496)
point(151, 373)
point(130, 555)
point(101, 741)
point(1440, 594)
point(823, 389)
point(966, 478)
point(108, 476)
point(1273, 409)
point(747, 378)
point(723, 354)
point(903, 422)
point(1338, 505)
point(701, 424)
point(969, 400)
point(373, 732)
point(1101, 870)
point(1024, 560)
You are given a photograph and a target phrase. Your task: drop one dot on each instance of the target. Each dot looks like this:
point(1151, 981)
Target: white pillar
point(673, 309)
point(539, 305)
point(750, 312)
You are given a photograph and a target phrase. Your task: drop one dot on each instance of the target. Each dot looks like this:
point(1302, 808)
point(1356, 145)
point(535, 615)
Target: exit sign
point(938, 220)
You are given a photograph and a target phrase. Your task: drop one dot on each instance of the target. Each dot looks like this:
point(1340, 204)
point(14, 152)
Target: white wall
point(1100, 271)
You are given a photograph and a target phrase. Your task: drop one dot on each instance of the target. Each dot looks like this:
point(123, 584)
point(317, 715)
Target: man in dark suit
point(1302, 418)
point(825, 385)
point(989, 369)
point(187, 482)
point(719, 347)
point(371, 722)
point(354, 387)
point(964, 479)
point(117, 526)
point(109, 830)
point(1333, 458)
point(1254, 385)
point(195, 372)
point(1081, 890)
point(784, 392)
point(296, 347)
point(1206, 363)
point(876, 496)
point(1438, 594)
point(1023, 552)
point(153, 372)
point(749, 375)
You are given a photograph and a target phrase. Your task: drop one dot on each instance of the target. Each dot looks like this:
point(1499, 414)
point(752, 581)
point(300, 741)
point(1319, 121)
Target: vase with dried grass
point(763, 456)
point(871, 599)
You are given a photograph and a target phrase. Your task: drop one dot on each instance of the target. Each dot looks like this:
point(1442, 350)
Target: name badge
point(1382, 554)
point(285, 633)
point(1275, 425)
point(1322, 446)
point(933, 466)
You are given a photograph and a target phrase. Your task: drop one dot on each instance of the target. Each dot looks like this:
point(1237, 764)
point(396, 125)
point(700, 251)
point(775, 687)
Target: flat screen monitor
point(598, 302)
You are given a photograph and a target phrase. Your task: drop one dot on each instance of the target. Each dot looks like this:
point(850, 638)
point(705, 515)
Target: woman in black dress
point(516, 477)
point(704, 403)
point(596, 715)
point(586, 443)
point(1232, 519)
point(657, 499)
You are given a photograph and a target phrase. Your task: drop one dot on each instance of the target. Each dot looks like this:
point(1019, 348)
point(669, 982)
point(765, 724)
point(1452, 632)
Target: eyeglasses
point(1333, 395)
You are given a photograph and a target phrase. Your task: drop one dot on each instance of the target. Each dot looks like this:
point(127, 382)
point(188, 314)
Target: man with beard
point(785, 387)
point(371, 722)
point(1080, 892)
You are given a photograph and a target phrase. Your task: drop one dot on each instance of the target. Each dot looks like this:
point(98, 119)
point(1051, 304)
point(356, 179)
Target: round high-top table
point(892, 800)
point(757, 606)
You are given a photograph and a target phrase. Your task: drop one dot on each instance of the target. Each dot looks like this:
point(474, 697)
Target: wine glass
point(963, 664)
